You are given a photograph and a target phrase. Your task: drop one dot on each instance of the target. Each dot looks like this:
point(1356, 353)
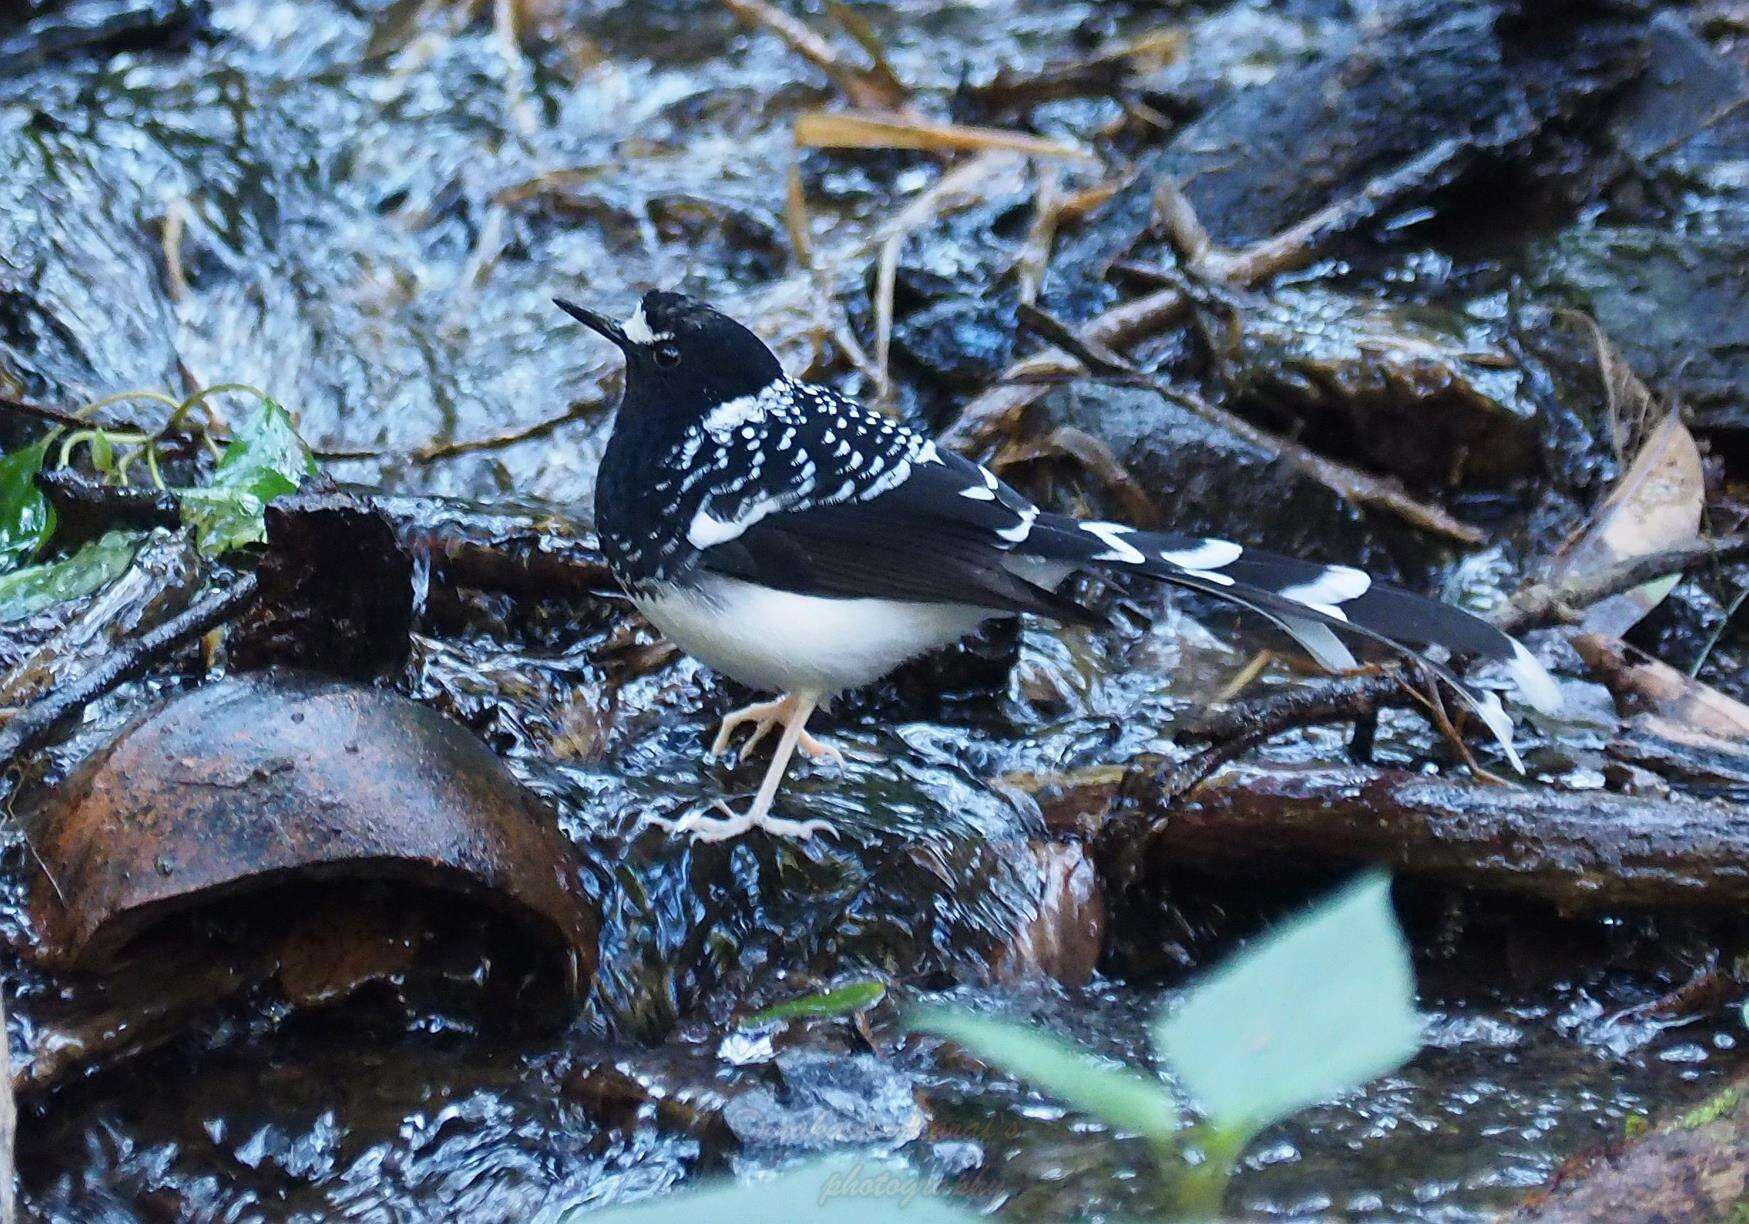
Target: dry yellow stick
point(976, 180)
point(862, 87)
point(872, 130)
point(1041, 235)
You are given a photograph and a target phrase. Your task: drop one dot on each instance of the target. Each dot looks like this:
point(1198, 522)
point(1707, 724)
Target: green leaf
point(1324, 1004)
point(1126, 1099)
point(264, 460)
point(102, 452)
point(28, 591)
point(26, 520)
point(838, 1190)
point(841, 1001)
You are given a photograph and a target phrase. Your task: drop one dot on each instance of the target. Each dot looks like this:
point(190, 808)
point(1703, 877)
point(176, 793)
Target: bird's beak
point(597, 323)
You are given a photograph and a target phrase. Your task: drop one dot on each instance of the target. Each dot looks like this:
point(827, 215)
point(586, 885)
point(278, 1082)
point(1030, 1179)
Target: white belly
point(777, 640)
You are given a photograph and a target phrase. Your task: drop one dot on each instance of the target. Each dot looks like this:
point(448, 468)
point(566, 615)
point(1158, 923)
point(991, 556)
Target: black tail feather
point(1312, 602)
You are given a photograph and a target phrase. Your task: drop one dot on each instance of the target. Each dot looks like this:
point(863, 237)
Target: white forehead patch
point(637, 329)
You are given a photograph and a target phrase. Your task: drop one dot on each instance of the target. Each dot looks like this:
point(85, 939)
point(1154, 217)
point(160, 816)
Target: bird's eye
point(667, 354)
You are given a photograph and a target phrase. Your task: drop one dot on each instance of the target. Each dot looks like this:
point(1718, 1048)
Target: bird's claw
point(705, 828)
point(764, 715)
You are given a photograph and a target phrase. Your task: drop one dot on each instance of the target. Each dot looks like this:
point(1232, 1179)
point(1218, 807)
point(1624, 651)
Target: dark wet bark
point(1581, 851)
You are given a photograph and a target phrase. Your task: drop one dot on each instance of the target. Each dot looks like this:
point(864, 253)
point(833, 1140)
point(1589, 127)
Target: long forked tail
point(1315, 604)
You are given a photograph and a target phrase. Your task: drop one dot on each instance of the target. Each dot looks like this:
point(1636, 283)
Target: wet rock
point(1192, 468)
point(1685, 110)
point(1067, 933)
point(827, 1100)
point(32, 34)
point(1387, 89)
point(962, 343)
point(1671, 295)
point(1415, 392)
point(954, 306)
point(280, 780)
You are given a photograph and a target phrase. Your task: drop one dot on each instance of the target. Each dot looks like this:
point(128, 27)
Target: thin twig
point(1541, 603)
point(37, 722)
point(433, 451)
point(860, 85)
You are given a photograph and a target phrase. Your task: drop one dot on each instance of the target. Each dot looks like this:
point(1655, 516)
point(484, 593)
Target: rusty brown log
point(1578, 850)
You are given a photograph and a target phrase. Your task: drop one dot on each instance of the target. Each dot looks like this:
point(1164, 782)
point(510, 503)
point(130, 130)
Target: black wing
point(946, 534)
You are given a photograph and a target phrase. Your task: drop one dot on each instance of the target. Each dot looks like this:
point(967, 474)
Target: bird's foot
point(721, 828)
point(764, 715)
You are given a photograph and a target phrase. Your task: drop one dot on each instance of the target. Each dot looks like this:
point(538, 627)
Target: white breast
point(778, 640)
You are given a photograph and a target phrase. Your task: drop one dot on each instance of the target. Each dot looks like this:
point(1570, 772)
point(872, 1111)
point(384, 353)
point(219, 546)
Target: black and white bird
point(802, 544)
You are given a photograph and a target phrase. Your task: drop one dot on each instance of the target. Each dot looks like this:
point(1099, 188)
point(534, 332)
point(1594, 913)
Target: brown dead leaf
point(1643, 685)
point(1655, 506)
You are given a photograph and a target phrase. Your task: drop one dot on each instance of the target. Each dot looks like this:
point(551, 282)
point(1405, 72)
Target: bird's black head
point(682, 356)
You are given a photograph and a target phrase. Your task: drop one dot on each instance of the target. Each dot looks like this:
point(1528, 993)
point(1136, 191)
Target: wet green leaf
point(28, 591)
point(102, 452)
point(840, 1189)
point(842, 1001)
point(265, 459)
point(26, 521)
point(1324, 1004)
point(1125, 1099)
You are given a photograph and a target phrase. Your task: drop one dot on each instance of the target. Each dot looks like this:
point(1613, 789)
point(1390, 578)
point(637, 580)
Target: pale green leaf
point(28, 591)
point(840, 1001)
point(1324, 1004)
point(264, 460)
point(1125, 1099)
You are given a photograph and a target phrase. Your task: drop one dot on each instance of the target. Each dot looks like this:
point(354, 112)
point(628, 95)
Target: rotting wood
point(1580, 851)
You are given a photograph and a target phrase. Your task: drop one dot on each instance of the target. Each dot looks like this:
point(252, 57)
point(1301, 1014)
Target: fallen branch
point(528, 552)
point(1242, 726)
point(1540, 603)
point(1580, 851)
point(1350, 483)
point(32, 726)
